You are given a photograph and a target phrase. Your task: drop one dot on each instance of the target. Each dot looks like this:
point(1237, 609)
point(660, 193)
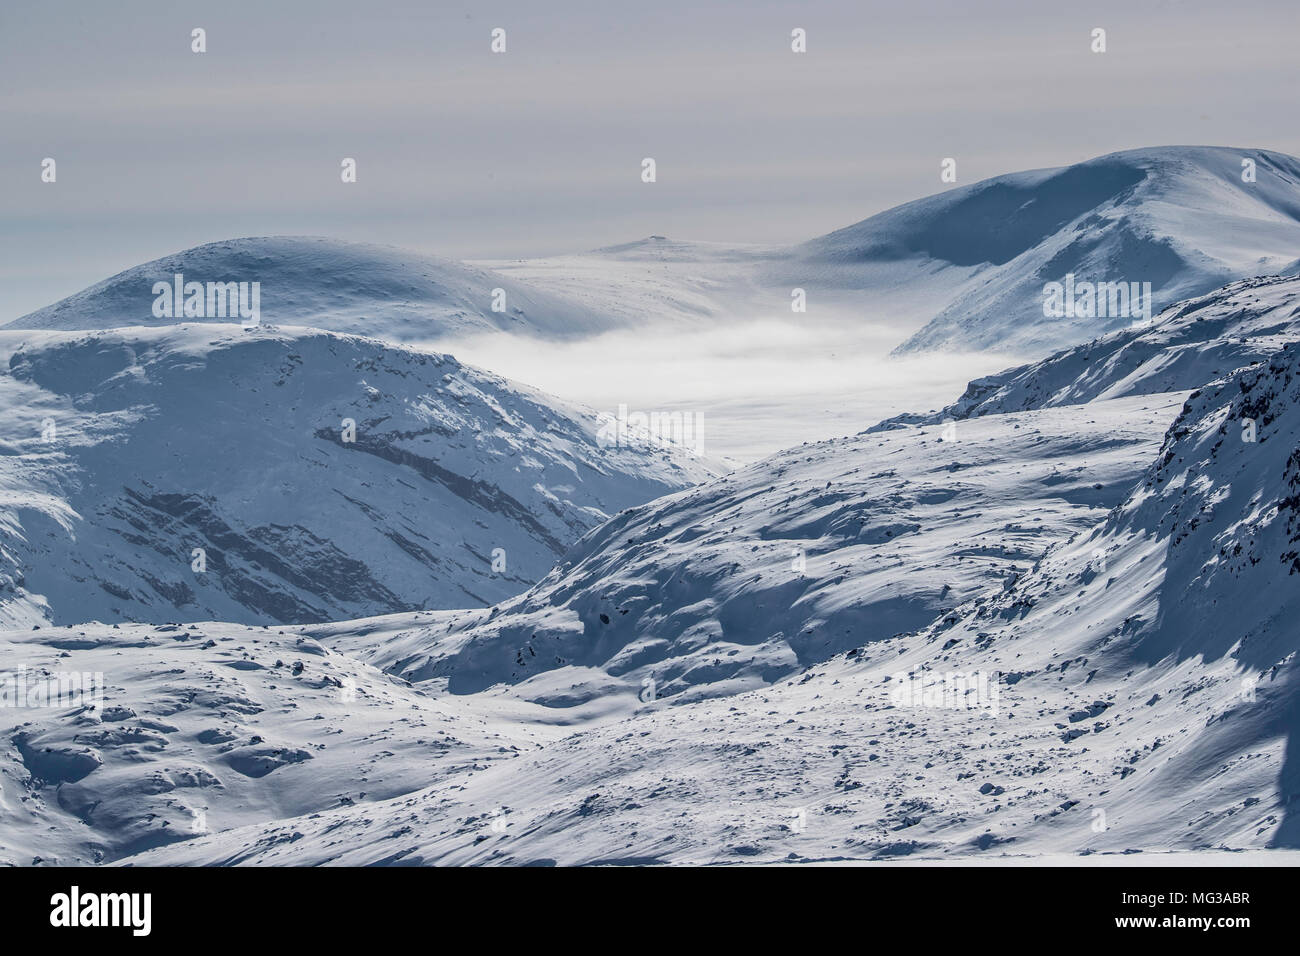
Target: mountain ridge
point(324, 475)
point(350, 287)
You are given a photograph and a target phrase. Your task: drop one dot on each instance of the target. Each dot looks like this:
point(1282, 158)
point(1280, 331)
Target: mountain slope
point(1180, 218)
point(206, 727)
point(1189, 344)
point(746, 578)
point(1139, 695)
point(350, 287)
point(126, 450)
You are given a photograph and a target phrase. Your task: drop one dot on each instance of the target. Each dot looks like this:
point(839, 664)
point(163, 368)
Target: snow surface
point(679, 666)
point(232, 441)
point(1145, 705)
point(1180, 218)
point(1187, 345)
point(352, 287)
point(750, 577)
point(709, 770)
point(240, 724)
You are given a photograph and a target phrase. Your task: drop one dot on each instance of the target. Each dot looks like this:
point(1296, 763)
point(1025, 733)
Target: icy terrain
point(127, 450)
point(1128, 618)
point(213, 725)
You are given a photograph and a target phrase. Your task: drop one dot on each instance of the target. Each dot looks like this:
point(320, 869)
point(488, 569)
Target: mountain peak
point(1185, 219)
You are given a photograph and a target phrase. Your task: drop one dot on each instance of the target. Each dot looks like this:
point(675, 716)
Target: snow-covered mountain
point(1054, 618)
point(700, 593)
point(1180, 218)
point(352, 287)
point(752, 576)
point(323, 476)
point(1189, 344)
point(683, 688)
point(1134, 691)
point(965, 269)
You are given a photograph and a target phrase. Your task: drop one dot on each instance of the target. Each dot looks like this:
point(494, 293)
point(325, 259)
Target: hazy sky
point(471, 154)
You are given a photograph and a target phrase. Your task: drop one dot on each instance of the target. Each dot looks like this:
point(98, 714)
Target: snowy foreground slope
point(352, 287)
point(210, 726)
point(189, 710)
point(125, 451)
point(1140, 695)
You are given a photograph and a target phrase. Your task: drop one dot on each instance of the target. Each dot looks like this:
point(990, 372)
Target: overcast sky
point(537, 151)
